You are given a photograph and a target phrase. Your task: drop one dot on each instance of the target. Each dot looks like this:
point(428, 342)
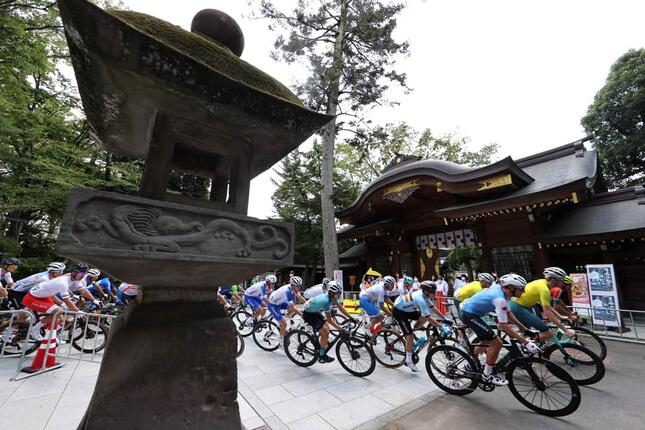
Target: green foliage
point(617, 119)
point(297, 200)
point(466, 258)
point(369, 151)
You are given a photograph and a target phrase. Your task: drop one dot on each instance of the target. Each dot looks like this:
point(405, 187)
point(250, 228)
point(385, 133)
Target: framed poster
point(580, 298)
point(604, 294)
point(338, 277)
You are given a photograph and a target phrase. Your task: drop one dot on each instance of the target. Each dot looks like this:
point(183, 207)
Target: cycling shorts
point(369, 307)
point(276, 310)
point(41, 305)
point(478, 325)
point(314, 319)
point(254, 302)
point(16, 297)
point(527, 317)
point(403, 319)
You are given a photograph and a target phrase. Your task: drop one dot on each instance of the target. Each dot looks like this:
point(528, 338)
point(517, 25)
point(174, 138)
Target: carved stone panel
point(149, 242)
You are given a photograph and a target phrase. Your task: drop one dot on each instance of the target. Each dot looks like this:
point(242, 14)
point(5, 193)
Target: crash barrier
point(71, 337)
point(614, 324)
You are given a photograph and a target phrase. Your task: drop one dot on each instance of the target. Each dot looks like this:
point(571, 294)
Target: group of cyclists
point(410, 303)
point(53, 290)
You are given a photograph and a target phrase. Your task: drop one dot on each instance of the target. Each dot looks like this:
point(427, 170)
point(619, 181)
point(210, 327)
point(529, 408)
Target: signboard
point(580, 298)
point(604, 294)
point(338, 277)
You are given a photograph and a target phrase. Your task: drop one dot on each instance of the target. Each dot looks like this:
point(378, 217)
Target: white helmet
point(388, 280)
point(56, 267)
point(271, 279)
point(295, 280)
point(512, 279)
point(486, 277)
point(325, 281)
point(554, 272)
point(94, 272)
point(333, 287)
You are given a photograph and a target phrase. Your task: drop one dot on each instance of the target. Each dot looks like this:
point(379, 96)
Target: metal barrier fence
point(79, 336)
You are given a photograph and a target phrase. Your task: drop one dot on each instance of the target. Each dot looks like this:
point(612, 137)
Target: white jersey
point(258, 289)
point(414, 287)
point(5, 276)
point(314, 291)
point(76, 286)
point(282, 295)
point(129, 289)
point(27, 283)
point(52, 287)
point(396, 292)
point(375, 293)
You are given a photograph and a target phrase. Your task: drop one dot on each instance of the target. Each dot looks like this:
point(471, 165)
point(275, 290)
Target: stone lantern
point(182, 102)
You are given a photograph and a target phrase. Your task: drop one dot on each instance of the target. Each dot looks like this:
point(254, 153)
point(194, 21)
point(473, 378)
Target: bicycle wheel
point(301, 347)
point(389, 348)
point(543, 386)
point(355, 356)
point(240, 344)
point(89, 337)
point(14, 339)
point(583, 365)
point(452, 369)
point(239, 319)
point(590, 340)
point(266, 335)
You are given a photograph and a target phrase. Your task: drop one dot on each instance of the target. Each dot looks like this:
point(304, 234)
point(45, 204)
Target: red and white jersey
point(129, 289)
point(52, 287)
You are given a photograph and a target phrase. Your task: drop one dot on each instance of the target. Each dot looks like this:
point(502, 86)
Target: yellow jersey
point(468, 290)
point(535, 292)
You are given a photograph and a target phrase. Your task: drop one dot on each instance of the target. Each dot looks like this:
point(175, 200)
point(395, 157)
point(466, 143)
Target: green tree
point(466, 258)
point(617, 119)
point(369, 151)
point(349, 49)
point(297, 201)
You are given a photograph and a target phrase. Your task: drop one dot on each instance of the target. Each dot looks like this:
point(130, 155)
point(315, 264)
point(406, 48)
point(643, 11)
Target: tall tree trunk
point(108, 166)
point(330, 244)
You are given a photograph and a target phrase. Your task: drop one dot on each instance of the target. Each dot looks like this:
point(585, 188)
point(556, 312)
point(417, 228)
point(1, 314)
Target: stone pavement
point(273, 393)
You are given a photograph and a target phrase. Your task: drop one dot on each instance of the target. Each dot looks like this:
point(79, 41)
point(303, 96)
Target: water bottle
point(419, 342)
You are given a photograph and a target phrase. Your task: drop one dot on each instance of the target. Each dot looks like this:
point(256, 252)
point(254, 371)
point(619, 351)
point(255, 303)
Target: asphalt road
point(615, 403)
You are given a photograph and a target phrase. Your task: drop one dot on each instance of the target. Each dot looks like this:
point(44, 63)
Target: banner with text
point(604, 294)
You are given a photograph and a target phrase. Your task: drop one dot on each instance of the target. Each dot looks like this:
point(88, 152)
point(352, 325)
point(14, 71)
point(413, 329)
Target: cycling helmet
point(568, 279)
point(80, 268)
point(271, 279)
point(10, 261)
point(295, 280)
point(512, 280)
point(325, 281)
point(388, 280)
point(94, 272)
point(408, 280)
point(334, 287)
point(56, 267)
point(486, 277)
point(555, 273)
point(428, 286)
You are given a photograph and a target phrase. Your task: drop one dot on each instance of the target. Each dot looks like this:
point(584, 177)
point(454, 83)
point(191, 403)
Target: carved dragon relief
point(149, 229)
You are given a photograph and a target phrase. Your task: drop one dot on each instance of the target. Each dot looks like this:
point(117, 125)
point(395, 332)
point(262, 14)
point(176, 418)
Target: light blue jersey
point(485, 302)
point(414, 302)
point(319, 303)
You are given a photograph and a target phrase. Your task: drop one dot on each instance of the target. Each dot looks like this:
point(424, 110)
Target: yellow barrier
point(352, 306)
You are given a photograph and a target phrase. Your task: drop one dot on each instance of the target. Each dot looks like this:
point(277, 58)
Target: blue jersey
point(105, 285)
point(414, 302)
point(485, 302)
point(319, 303)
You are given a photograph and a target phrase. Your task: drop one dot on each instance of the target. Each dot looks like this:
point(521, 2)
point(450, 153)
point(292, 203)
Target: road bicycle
point(537, 383)
point(389, 345)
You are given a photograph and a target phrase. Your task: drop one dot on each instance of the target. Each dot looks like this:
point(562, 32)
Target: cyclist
point(559, 300)
point(127, 293)
point(312, 316)
point(80, 288)
point(494, 299)
point(416, 307)
point(40, 298)
point(103, 289)
point(408, 284)
point(9, 265)
point(391, 295)
point(255, 296)
point(538, 292)
point(282, 299)
point(235, 293)
point(372, 301)
point(484, 280)
point(22, 287)
point(317, 290)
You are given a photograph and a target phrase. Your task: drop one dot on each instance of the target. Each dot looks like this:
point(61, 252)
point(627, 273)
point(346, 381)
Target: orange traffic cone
point(47, 349)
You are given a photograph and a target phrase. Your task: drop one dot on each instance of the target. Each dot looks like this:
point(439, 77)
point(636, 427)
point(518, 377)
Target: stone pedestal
point(170, 364)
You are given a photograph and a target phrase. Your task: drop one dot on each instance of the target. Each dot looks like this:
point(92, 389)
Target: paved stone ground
point(273, 393)
point(615, 403)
